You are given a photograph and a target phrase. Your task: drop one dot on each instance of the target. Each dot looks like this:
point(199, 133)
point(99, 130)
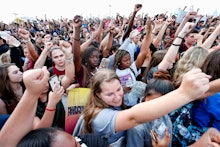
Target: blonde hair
point(5, 58)
point(194, 57)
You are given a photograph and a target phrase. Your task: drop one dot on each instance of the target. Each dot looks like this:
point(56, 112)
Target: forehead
point(12, 68)
point(126, 56)
point(95, 52)
point(106, 88)
point(192, 34)
point(56, 52)
point(25, 50)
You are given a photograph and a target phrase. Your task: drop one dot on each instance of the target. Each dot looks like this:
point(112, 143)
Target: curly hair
point(85, 57)
point(119, 54)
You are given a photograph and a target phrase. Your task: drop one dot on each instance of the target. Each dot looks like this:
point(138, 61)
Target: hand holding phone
point(53, 81)
point(104, 63)
point(153, 136)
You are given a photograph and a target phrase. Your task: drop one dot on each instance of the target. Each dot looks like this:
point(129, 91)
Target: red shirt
point(57, 72)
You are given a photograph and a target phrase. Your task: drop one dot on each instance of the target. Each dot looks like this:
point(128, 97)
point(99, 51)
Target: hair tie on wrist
point(76, 39)
point(71, 58)
point(26, 41)
point(50, 109)
point(175, 44)
point(179, 37)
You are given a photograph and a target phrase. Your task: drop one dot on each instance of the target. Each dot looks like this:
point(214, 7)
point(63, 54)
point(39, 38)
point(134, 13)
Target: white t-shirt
point(125, 76)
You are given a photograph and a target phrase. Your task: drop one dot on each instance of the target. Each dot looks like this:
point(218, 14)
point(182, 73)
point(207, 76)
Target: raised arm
point(48, 117)
point(208, 32)
point(77, 23)
point(145, 47)
point(25, 35)
point(189, 15)
point(88, 42)
point(100, 30)
point(35, 81)
point(69, 64)
point(199, 39)
point(157, 27)
point(148, 111)
point(209, 41)
point(106, 43)
point(43, 56)
point(170, 56)
point(159, 36)
point(125, 21)
point(137, 7)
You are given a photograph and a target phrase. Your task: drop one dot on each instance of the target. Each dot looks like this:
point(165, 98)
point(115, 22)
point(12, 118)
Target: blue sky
point(99, 8)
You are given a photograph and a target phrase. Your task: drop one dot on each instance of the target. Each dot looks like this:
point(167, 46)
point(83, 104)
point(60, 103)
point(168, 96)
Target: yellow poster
point(76, 100)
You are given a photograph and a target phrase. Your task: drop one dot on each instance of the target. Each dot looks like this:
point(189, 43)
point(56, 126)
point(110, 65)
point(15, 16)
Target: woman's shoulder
point(106, 115)
point(109, 111)
point(2, 103)
point(3, 108)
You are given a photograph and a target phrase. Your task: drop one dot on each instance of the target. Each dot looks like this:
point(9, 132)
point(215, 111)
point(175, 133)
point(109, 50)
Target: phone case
point(53, 80)
point(152, 135)
point(104, 63)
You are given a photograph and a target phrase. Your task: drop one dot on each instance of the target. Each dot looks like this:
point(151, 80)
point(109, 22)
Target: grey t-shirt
point(151, 73)
point(104, 124)
point(139, 136)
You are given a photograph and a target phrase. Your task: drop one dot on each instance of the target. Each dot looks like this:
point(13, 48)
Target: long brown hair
point(157, 57)
point(95, 104)
point(211, 65)
point(6, 91)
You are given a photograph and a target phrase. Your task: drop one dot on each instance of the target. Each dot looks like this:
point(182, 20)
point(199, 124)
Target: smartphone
point(153, 136)
point(104, 63)
point(53, 80)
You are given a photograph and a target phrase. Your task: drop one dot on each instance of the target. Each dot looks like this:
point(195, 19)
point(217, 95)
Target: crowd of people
point(153, 81)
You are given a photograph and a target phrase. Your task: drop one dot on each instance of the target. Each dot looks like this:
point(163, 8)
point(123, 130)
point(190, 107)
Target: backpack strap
point(132, 71)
